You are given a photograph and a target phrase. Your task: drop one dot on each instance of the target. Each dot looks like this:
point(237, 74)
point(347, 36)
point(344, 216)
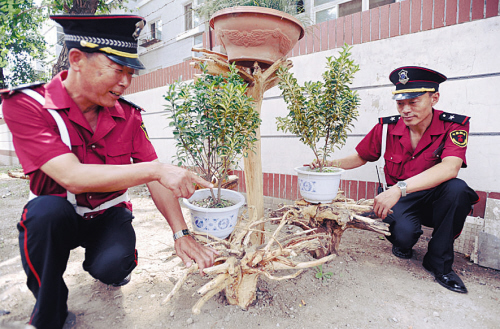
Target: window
point(156, 28)
point(350, 7)
point(188, 16)
point(191, 19)
point(60, 36)
point(326, 15)
point(378, 3)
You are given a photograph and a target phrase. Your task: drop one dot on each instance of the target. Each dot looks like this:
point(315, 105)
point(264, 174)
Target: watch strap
point(181, 233)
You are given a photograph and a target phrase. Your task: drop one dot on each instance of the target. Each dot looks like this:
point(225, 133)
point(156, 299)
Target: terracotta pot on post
point(259, 34)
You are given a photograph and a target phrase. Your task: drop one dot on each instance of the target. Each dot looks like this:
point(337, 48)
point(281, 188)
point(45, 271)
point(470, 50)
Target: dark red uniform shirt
point(440, 140)
point(119, 137)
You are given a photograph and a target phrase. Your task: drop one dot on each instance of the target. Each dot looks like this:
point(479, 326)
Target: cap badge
point(403, 76)
point(138, 28)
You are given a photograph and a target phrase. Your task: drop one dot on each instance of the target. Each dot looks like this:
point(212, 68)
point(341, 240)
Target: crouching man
point(425, 149)
point(75, 138)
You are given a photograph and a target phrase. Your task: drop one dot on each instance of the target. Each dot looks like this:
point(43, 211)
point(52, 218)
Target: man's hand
point(385, 201)
point(315, 164)
point(180, 181)
point(189, 250)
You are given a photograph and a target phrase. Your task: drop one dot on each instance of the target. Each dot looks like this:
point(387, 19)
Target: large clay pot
point(318, 187)
point(259, 34)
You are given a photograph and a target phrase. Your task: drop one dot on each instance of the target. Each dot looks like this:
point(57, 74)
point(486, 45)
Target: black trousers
point(49, 229)
point(443, 208)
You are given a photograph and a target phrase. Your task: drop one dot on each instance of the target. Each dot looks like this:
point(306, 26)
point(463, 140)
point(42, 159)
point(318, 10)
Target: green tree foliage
point(321, 113)
point(20, 39)
point(214, 123)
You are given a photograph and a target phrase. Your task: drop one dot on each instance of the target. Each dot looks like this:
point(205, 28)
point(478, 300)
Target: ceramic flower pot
point(219, 222)
point(318, 187)
point(259, 34)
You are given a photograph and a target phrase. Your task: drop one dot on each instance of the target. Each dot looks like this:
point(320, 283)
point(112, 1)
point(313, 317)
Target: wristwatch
point(180, 234)
point(402, 187)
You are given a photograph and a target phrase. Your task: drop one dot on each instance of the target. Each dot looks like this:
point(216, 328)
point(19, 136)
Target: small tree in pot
point(214, 125)
point(321, 113)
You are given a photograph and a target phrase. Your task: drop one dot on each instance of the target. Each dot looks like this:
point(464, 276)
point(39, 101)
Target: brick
point(310, 43)
point(332, 34)
point(477, 9)
point(323, 35)
point(295, 188)
point(371, 188)
point(405, 18)
point(303, 45)
point(384, 22)
point(361, 190)
point(276, 187)
point(340, 32)
point(375, 23)
point(356, 28)
point(394, 19)
point(282, 186)
point(348, 29)
point(416, 13)
point(365, 26)
point(427, 12)
point(439, 8)
point(464, 11)
point(491, 8)
point(288, 189)
point(451, 12)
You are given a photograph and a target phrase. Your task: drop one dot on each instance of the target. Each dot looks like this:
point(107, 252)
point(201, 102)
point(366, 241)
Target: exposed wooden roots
point(240, 264)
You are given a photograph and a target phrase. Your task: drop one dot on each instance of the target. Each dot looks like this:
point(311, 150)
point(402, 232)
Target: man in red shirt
point(76, 138)
point(425, 150)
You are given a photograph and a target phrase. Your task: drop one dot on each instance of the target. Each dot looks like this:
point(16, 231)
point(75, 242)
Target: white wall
point(462, 52)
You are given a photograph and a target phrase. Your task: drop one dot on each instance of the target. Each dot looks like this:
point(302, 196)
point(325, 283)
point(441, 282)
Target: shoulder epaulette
point(20, 87)
point(452, 117)
point(391, 119)
point(137, 107)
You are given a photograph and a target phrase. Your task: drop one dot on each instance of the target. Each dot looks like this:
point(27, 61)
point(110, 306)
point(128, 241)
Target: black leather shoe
point(123, 282)
point(402, 253)
point(450, 281)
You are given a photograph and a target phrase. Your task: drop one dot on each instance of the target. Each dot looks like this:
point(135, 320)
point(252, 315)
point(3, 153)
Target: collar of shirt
point(57, 98)
point(436, 128)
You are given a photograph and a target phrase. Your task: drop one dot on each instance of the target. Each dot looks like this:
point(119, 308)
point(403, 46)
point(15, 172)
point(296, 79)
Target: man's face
point(104, 81)
point(417, 111)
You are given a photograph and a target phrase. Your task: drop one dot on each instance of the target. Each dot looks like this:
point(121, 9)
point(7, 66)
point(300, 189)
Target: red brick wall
point(285, 186)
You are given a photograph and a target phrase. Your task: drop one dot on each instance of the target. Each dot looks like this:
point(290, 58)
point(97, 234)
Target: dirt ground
point(369, 287)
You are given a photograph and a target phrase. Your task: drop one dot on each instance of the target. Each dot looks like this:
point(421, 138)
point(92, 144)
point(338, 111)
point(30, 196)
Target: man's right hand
point(181, 181)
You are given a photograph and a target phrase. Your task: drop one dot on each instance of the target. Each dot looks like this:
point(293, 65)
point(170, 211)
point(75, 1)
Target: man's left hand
point(385, 201)
point(189, 250)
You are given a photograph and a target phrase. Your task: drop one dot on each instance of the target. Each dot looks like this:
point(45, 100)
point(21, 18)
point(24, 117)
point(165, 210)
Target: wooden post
point(258, 82)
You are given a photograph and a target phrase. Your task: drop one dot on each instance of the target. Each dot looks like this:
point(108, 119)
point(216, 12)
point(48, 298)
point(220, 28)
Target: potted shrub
point(254, 30)
point(214, 126)
point(321, 114)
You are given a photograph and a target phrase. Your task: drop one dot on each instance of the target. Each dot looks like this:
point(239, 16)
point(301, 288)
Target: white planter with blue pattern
point(219, 222)
point(318, 187)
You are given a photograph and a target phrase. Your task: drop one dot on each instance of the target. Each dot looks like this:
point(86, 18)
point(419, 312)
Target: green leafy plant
point(322, 275)
point(209, 7)
point(321, 113)
point(214, 123)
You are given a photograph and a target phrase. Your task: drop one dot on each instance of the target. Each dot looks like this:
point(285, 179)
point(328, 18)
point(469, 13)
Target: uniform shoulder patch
point(459, 138)
point(456, 118)
point(137, 107)
point(21, 87)
point(391, 119)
